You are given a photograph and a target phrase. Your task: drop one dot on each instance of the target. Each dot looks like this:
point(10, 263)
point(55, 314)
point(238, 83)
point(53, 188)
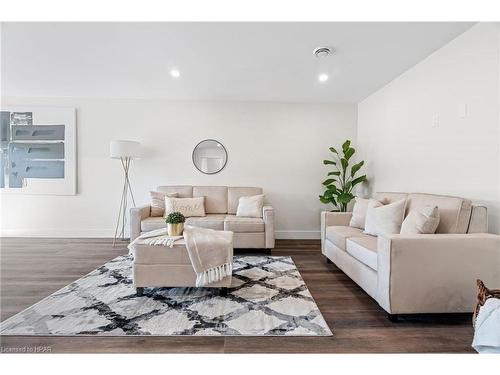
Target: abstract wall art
point(38, 150)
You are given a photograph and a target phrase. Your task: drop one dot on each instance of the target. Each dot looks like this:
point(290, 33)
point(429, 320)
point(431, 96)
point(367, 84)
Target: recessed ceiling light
point(175, 73)
point(323, 77)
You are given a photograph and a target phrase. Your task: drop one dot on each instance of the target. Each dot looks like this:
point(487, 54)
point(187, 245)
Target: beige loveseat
point(221, 203)
point(423, 273)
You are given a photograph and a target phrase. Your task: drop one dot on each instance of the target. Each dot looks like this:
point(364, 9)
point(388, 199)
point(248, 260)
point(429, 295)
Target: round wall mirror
point(209, 156)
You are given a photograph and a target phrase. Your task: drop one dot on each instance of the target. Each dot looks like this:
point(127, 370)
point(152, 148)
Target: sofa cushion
point(339, 234)
point(389, 197)
point(454, 212)
point(189, 207)
point(210, 221)
point(234, 194)
point(359, 212)
point(421, 221)
point(183, 191)
point(250, 206)
point(363, 249)
point(152, 223)
point(385, 219)
point(158, 202)
point(240, 224)
point(215, 198)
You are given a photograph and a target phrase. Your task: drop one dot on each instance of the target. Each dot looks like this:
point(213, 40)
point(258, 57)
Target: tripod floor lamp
point(125, 151)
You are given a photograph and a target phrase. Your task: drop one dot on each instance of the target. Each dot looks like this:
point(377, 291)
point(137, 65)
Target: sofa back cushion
point(454, 212)
point(234, 194)
point(389, 197)
point(215, 198)
point(183, 191)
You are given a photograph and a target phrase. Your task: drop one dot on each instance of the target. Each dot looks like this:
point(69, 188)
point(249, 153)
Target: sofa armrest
point(329, 219)
point(137, 214)
point(268, 216)
point(435, 273)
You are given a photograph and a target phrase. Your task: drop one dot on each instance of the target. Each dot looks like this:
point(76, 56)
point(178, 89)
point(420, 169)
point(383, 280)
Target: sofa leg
point(328, 260)
point(223, 292)
point(393, 317)
point(139, 291)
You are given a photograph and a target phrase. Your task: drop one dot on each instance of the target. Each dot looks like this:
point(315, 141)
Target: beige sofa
point(426, 273)
point(221, 203)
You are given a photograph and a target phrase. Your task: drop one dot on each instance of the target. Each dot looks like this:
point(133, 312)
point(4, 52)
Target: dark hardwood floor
point(31, 269)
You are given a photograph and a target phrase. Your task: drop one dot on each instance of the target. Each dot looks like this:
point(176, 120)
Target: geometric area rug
point(268, 297)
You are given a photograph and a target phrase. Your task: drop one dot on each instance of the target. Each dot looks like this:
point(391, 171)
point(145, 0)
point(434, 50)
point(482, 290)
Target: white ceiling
point(221, 61)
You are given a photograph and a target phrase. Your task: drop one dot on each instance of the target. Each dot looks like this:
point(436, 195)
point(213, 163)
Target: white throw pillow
point(189, 207)
point(250, 206)
point(359, 212)
point(384, 219)
point(421, 221)
point(158, 202)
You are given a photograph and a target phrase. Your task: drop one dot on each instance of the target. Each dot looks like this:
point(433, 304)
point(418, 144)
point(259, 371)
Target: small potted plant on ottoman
point(175, 223)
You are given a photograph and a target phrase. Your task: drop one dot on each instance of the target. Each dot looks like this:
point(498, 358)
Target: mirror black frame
point(205, 140)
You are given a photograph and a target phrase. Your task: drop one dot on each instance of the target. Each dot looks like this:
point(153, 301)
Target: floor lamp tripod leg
point(121, 210)
point(118, 220)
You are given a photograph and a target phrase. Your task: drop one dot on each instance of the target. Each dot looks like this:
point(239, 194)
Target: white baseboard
point(108, 233)
point(58, 233)
point(298, 234)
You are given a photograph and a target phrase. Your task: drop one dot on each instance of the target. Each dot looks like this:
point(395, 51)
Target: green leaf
point(326, 162)
point(345, 198)
point(348, 153)
point(333, 150)
point(323, 199)
point(344, 163)
point(332, 188)
point(356, 167)
point(358, 180)
point(346, 145)
point(327, 200)
point(328, 181)
point(336, 173)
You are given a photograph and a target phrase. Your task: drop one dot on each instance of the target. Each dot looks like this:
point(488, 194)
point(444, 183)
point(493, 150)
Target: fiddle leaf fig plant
point(341, 180)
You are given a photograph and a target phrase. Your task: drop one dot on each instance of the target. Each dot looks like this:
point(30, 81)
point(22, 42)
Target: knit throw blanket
point(210, 251)
point(157, 237)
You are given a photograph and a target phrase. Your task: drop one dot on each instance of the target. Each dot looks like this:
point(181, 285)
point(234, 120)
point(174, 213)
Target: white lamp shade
point(123, 149)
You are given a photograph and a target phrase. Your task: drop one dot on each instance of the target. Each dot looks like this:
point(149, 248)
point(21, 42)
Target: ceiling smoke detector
point(321, 52)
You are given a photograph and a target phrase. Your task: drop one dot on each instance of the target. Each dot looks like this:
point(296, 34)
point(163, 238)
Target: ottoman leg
point(223, 292)
point(139, 291)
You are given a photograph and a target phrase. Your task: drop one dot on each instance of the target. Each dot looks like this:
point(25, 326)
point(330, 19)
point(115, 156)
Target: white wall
point(277, 146)
point(412, 132)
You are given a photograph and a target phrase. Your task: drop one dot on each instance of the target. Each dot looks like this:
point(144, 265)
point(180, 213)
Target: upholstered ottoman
point(163, 266)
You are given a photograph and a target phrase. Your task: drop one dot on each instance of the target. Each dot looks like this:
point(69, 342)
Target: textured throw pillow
point(384, 219)
point(187, 206)
point(250, 206)
point(359, 212)
point(158, 202)
point(421, 221)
